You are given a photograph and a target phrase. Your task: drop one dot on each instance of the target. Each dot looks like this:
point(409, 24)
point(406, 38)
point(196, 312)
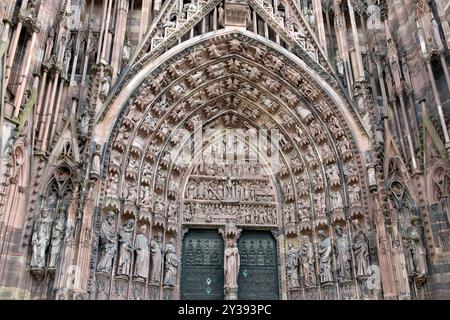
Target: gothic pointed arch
point(231, 81)
point(409, 241)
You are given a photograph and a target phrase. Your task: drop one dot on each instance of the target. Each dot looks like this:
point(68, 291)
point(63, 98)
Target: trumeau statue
point(307, 262)
point(108, 243)
point(141, 246)
point(156, 253)
point(343, 258)
point(41, 239)
point(292, 266)
point(361, 250)
point(417, 248)
point(325, 272)
point(126, 248)
point(232, 263)
point(171, 264)
point(57, 237)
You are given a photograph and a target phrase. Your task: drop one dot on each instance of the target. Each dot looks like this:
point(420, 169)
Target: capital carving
point(230, 231)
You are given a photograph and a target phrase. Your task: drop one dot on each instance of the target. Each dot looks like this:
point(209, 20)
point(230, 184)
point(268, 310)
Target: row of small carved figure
point(112, 241)
point(221, 168)
point(316, 180)
point(302, 260)
point(246, 214)
point(335, 203)
point(229, 189)
point(320, 205)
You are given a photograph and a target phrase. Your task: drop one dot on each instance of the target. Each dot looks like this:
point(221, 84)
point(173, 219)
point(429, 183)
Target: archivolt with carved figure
point(222, 149)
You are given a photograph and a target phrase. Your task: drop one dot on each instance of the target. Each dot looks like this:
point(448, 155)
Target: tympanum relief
point(241, 197)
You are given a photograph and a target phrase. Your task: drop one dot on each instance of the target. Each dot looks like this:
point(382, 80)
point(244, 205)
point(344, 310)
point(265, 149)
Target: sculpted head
point(130, 223)
point(44, 213)
point(322, 235)
point(305, 239)
point(356, 224)
point(143, 229)
point(231, 243)
point(110, 217)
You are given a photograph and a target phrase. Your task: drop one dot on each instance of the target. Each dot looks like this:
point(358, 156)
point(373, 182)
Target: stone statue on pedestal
point(325, 272)
point(108, 243)
point(417, 248)
point(126, 248)
point(361, 250)
point(171, 264)
point(232, 263)
point(141, 246)
point(57, 238)
point(221, 16)
point(343, 258)
point(41, 239)
point(126, 53)
point(156, 253)
point(307, 262)
point(157, 5)
point(105, 85)
point(292, 266)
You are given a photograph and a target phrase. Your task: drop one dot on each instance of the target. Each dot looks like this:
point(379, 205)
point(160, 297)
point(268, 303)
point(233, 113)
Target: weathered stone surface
point(250, 117)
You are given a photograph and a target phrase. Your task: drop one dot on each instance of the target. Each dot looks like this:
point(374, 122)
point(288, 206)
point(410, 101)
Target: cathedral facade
point(225, 149)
